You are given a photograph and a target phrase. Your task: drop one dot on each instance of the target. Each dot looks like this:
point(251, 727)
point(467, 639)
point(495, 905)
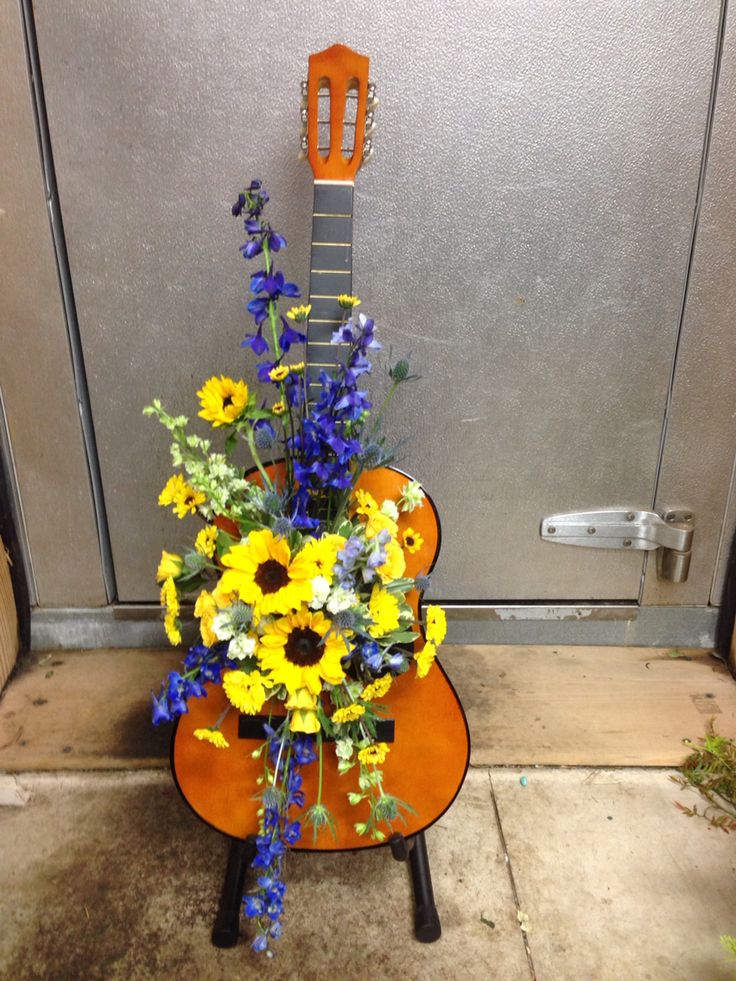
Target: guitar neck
point(330, 275)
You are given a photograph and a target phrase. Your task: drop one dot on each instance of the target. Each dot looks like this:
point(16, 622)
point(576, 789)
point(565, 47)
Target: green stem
point(257, 459)
point(383, 408)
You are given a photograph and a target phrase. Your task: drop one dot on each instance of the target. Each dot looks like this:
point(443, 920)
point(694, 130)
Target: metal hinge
point(671, 533)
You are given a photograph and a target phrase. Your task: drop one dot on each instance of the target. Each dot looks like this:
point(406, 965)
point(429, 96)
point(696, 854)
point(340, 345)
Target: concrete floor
point(106, 874)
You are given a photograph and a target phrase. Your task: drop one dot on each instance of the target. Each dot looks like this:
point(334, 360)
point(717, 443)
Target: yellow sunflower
point(296, 652)
point(411, 540)
point(300, 313)
point(383, 608)
point(322, 553)
point(246, 690)
point(222, 400)
point(278, 408)
point(264, 574)
point(184, 498)
point(278, 373)
point(347, 302)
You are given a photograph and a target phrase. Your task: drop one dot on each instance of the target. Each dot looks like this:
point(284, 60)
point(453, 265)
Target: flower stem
point(257, 459)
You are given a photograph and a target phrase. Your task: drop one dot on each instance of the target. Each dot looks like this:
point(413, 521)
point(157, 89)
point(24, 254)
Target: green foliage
point(711, 770)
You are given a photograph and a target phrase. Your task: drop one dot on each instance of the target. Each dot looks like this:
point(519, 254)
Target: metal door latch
point(671, 533)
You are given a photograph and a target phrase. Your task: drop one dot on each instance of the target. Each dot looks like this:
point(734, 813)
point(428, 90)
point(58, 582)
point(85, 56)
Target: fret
point(323, 296)
point(329, 344)
point(336, 272)
point(334, 245)
point(315, 320)
point(329, 214)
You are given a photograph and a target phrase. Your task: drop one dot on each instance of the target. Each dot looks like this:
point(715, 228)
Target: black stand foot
point(227, 922)
point(427, 926)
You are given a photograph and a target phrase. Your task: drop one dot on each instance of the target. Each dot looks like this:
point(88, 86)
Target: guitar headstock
point(338, 113)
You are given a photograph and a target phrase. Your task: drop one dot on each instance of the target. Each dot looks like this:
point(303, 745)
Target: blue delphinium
point(287, 754)
point(200, 665)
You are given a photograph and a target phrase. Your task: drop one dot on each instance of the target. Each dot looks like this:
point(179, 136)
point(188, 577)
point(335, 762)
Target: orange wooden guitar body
point(425, 767)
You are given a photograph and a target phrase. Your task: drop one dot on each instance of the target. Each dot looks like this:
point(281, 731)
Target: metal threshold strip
point(469, 623)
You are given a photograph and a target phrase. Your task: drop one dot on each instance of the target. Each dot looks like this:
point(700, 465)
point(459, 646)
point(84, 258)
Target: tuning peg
point(304, 144)
point(304, 89)
point(367, 150)
point(371, 99)
point(370, 123)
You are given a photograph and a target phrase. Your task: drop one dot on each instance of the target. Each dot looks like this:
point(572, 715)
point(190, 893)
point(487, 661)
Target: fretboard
point(330, 275)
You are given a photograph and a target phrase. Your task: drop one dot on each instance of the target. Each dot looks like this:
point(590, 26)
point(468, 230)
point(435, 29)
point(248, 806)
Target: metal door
point(526, 231)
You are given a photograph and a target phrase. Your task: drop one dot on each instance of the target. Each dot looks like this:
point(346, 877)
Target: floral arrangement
point(298, 575)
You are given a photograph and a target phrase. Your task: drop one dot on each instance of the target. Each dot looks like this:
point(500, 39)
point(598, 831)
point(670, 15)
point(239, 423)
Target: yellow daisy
point(222, 400)
point(383, 608)
point(206, 541)
point(299, 313)
point(296, 652)
point(367, 505)
point(425, 659)
point(174, 489)
point(279, 373)
point(436, 625)
point(171, 565)
point(264, 574)
point(376, 753)
point(350, 713)
point(347, 302)
point(322, 553)
point(278, 408)
point(213, 736)
point(297, 369)
point(246, 690)
point(377, 688)
point(395, 565)
point(411, 540)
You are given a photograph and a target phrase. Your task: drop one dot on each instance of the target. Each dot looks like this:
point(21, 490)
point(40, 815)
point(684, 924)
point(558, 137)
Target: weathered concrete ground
point(109, 875)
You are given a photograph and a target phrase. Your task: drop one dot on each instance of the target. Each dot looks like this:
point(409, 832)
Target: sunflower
point(347, 302)
point(411, 540)
point(298, 654)
point(184, 498)
point(300, 313)
point(322, 553)
point(383, 608)
point(278, 373)
point(222, 400)
point(263, 572)
point(278, 408)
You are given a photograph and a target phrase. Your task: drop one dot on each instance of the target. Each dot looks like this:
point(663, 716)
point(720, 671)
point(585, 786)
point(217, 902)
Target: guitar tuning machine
point(370, 123)
point(367, 150)
point(371, 98)
point(304, 118)
point(304, 87)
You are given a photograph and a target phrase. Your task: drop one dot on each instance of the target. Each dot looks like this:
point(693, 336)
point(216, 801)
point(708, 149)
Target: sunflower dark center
point(271, 576)
point(227, 401)
point(409, 540)
point(303, 647)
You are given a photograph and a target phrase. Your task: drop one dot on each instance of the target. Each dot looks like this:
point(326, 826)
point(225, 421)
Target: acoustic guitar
point(431, 746)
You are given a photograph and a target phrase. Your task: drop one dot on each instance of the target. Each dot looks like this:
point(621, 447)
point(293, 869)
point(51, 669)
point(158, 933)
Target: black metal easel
point(427, 929)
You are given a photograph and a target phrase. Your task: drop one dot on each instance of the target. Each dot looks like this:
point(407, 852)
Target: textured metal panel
point(35, 365)
point(701, 438)
point(524, 231)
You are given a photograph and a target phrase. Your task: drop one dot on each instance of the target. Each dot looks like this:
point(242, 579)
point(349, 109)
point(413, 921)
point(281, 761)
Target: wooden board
point(8, 619)
point(570, 706)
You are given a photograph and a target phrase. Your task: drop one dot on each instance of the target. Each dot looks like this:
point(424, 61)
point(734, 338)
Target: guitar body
point(428, 759)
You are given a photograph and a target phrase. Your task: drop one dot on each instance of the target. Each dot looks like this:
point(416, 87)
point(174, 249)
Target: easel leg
point(227, 922)
point(427, 926)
